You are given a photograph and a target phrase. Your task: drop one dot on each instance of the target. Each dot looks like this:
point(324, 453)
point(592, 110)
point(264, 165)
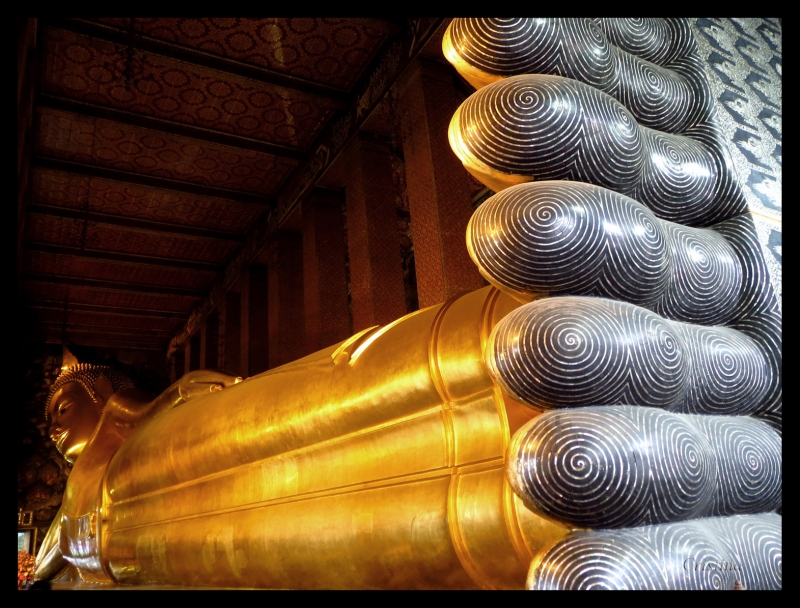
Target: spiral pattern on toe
point(765, 331)
point(756, 544)
point(756, 295)
point(650, 66)
point(702, 555)
point(659, 98)
point(511, 46)
point(553, 128)
point(614, 467)
point(706, 280)
point(677, 169)
point(573, 351)
point(546, 127)
point(661, 41)
point(729, 372)
point(750, 473)
point(568, 237)
point(581, 351)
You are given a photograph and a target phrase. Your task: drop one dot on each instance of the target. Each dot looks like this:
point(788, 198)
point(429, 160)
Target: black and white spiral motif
point(677, 170)
point(701, 555)
point(729, 196)
point(756, 543)
point(668, 94)
point(756, 295)
point(749, 472)
point(572, 351)
point(549, 127)
point(553, 128)
point(507, 47)
point(613, 467)
point(661, 41)
point(561, 237)
point(765, 331)
point(706, 281)
point(658, 97)
point(729, 373)
point(569, 237)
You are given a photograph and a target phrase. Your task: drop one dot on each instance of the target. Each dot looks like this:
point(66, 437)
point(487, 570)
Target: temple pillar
point(244, 334)
point(286, 310)
point(439, 193)
point(203, 344)
point(373, 243)
point(177, 365)
point(230, 334)
point(327, 314)
point(192, 353)
point(257, 296)
point(209, 336)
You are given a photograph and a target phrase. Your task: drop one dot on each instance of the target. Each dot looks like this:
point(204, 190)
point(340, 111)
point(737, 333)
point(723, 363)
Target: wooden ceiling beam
point(335, 97)
point(106, 310)
point(112, 285)
point(130, 222)
point(142, 332)
point(98, 341)
point(138, 179)
point(131, 258)
point(93, 110)
point(384, 70)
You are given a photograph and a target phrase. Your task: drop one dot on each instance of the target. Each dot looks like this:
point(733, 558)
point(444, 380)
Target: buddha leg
point(378, 463)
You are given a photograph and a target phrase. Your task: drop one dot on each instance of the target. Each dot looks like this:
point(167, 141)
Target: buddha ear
point(103, 388)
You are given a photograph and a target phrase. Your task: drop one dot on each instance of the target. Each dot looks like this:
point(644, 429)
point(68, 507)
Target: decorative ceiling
point(156, 153)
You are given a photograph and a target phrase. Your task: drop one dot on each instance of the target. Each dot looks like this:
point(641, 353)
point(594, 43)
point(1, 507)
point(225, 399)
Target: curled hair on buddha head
point(86, 374)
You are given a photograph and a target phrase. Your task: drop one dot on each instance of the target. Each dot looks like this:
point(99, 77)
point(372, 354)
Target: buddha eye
point(63, 407)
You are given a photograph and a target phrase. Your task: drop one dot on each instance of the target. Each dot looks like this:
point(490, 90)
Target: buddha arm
point(50, 561)
point(131, 407)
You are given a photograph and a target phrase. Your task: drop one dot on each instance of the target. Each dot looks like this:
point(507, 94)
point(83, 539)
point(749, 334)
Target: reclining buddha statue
point(605, 414)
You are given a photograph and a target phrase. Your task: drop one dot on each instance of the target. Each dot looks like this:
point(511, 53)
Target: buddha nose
point(54, 430)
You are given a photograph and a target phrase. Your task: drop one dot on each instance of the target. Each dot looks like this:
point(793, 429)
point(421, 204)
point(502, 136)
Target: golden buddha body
point(376, 463)
point(601, 416)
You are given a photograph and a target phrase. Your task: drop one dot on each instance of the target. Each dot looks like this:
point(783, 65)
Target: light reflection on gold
point(386, 473)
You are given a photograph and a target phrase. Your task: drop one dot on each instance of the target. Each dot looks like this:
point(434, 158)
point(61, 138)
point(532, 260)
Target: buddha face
point(74, 415)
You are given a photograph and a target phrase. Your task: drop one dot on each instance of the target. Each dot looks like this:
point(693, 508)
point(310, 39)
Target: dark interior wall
point(41, 471)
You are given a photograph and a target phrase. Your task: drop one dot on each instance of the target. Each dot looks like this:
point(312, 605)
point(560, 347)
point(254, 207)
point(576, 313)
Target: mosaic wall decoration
point(744, 64)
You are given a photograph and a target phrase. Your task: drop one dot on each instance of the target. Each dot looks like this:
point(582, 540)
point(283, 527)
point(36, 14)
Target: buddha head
point(76, 402)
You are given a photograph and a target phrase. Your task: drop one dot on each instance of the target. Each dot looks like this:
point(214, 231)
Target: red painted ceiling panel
point(70, 232)
point(92, 70)
point(39, 262)
point(36, 290)
point(109, 144)
point(331, 51)
point(52, 316)
point(105, 196)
